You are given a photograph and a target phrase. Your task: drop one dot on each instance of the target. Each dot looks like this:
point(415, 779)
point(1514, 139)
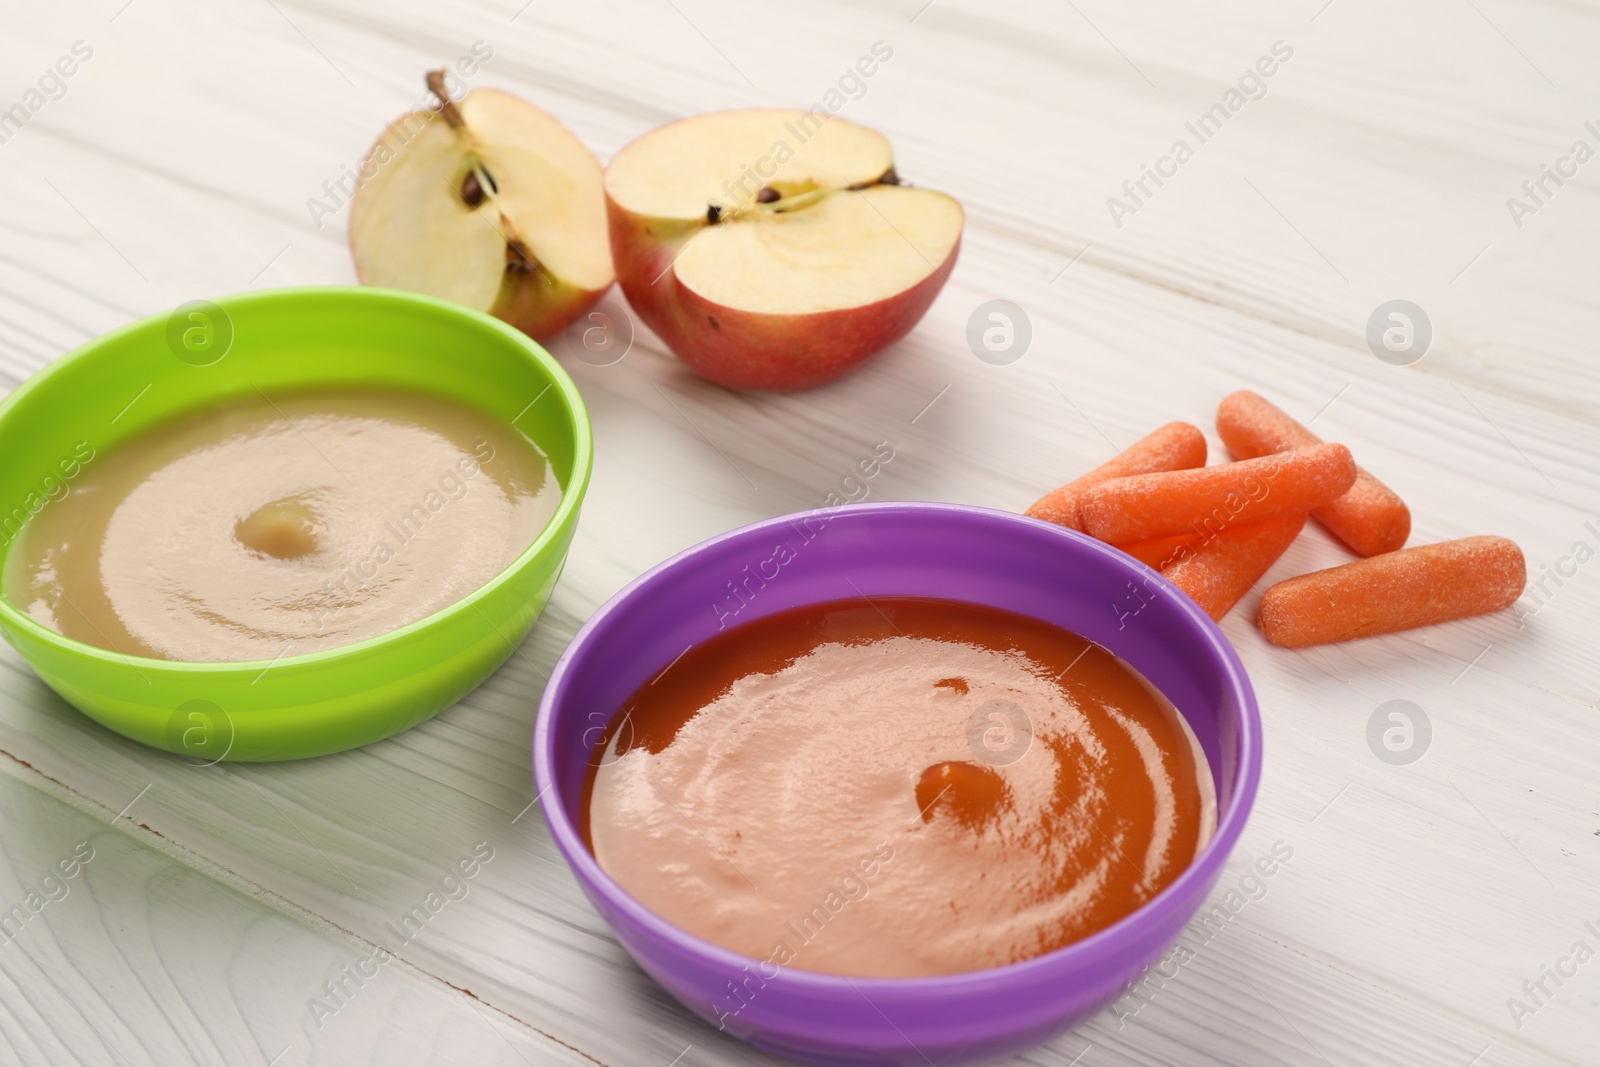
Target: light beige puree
point(271, 527)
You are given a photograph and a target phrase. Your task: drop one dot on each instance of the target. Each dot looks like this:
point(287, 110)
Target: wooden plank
point(1421, 897)
point(126, 954)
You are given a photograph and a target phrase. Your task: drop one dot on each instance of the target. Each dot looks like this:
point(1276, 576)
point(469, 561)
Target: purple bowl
point(905, 549)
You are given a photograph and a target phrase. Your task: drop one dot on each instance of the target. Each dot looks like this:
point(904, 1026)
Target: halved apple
point(489, 202)
point(775, 249)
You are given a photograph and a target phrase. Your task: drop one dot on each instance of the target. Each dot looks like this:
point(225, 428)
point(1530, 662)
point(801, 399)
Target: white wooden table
point(1420, 898)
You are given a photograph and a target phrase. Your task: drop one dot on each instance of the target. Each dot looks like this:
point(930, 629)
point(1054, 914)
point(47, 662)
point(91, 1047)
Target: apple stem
point(479, 184)
point(447, 107)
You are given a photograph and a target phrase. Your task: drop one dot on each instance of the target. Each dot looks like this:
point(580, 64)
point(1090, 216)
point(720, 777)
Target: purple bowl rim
point(1109, 941)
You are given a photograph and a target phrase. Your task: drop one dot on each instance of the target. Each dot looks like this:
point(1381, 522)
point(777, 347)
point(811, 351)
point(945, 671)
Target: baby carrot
point(1208, 500)
point(1395, 591)
point(1175, 446)
point(1224, 568)
point(1161, 551)
point(1371, 518)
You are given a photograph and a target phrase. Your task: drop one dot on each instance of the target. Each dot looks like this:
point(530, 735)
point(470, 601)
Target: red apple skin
point(753, 350)
point(530, 301)
point(540, 307)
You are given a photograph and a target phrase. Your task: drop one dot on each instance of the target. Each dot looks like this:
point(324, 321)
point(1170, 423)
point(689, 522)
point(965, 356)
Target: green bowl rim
point(571, 495)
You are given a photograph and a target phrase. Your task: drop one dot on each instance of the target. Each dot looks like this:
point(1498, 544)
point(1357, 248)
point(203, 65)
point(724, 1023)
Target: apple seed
point(475, 188)
point(888, 177)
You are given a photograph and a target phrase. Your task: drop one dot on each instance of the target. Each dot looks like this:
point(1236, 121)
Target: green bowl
point(146, 373)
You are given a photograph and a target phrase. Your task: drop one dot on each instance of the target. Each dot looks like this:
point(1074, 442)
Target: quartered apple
point(775, 249)
point(489, 202)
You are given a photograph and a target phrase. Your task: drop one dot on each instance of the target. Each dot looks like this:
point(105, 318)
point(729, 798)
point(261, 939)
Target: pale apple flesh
point(488, 202)
point(764, 261)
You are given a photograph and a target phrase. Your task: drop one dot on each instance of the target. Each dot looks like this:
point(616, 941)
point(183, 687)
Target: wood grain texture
point(1419, 899)
point(138, 957)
